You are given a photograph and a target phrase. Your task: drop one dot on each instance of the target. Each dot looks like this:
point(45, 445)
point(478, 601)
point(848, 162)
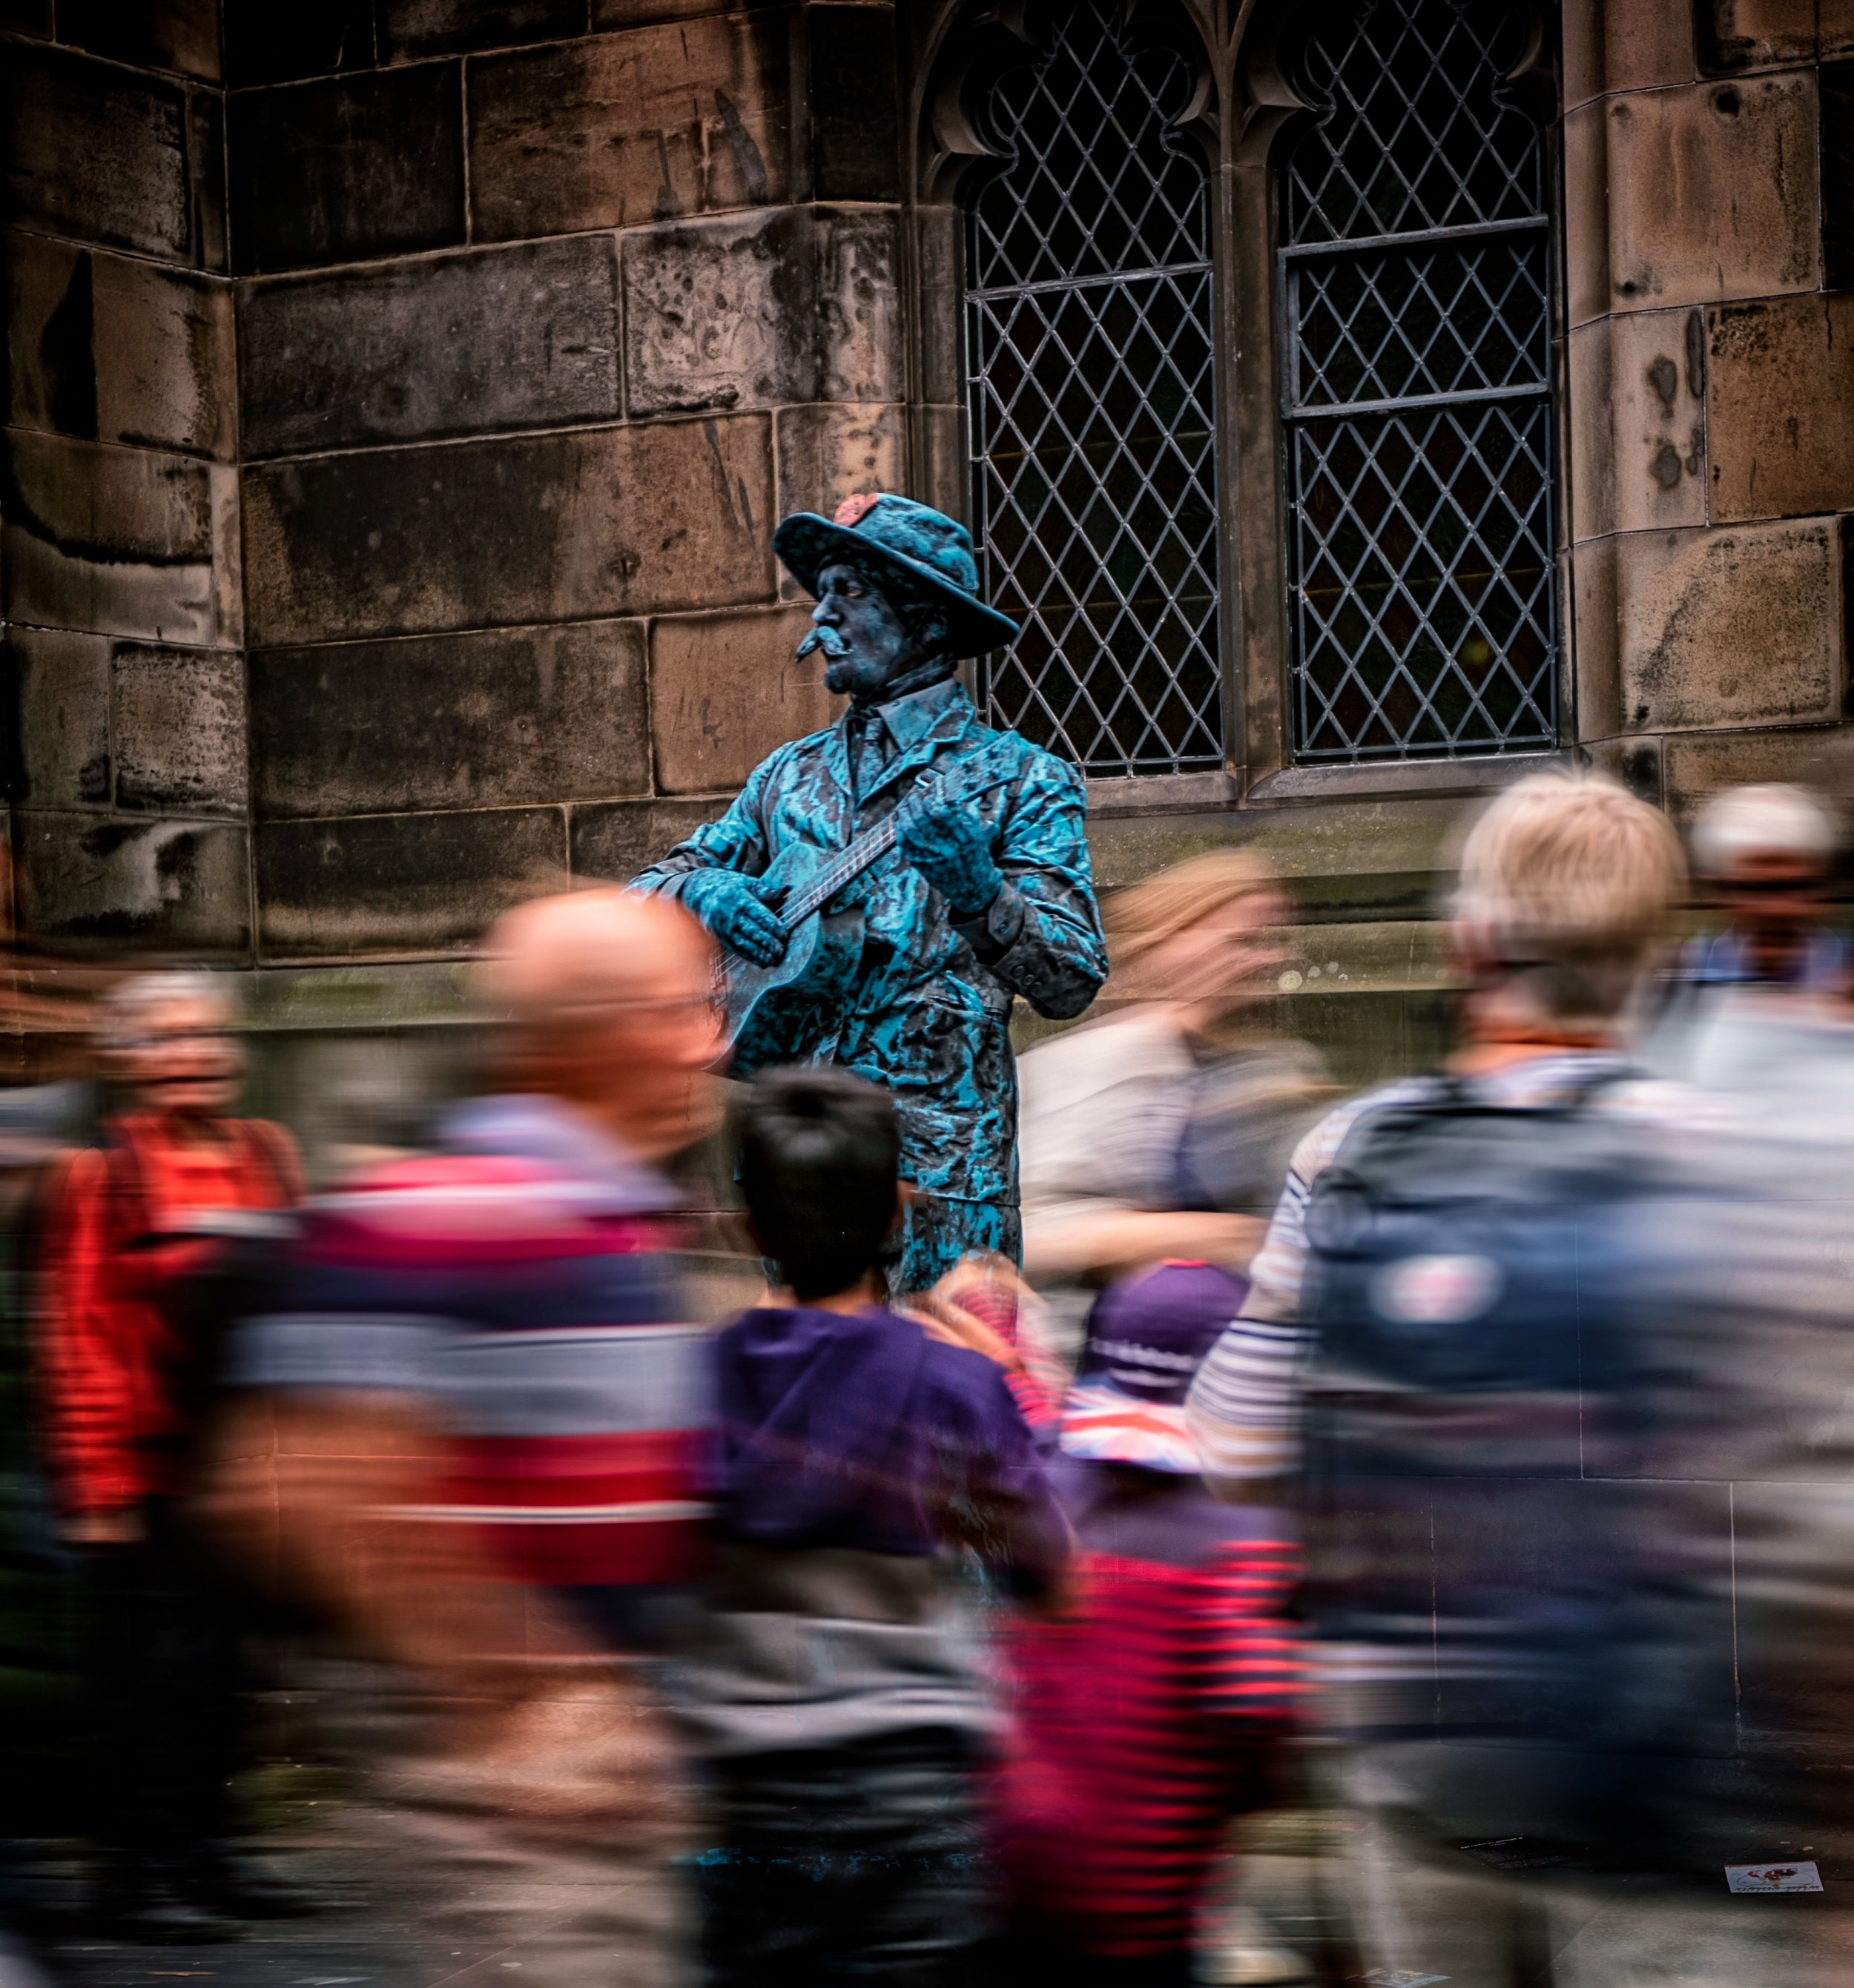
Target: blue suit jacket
point(928, 1017)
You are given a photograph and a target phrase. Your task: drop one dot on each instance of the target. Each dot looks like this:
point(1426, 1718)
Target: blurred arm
point(86, 1369)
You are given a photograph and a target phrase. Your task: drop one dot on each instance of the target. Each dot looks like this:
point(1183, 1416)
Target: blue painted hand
point(951, 847)
point(727, 903)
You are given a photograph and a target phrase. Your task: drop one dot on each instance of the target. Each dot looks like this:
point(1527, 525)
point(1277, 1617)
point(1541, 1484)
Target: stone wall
point(401, 394)
point(120, 587)
point(546, 313)
point(1709, 172)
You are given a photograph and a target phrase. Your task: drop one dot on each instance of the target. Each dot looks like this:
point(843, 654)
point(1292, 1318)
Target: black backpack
point(1486, 1538)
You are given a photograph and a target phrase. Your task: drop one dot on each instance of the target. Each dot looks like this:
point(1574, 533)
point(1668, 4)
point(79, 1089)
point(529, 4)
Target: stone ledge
point(1399, 777)
point(1159, 793)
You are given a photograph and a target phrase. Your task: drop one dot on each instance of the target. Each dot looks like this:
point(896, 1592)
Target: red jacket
point(113, 1367)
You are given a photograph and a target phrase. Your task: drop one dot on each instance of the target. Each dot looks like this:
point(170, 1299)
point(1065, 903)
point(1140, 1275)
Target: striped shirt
point(1145, 1715)
point(1244, 1405)
point(517, 1281)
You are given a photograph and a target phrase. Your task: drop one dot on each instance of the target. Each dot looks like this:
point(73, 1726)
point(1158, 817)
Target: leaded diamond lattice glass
point(1416, 284)
point(1090, 400)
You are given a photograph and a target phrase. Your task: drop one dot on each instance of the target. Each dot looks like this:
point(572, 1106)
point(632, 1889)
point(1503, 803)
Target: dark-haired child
point(833, 1693)
point(1150, 1711)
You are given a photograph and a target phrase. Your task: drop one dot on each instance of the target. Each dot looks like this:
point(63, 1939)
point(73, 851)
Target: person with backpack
point(1452, 1340)
point(835, 1690)
point(135, 1228)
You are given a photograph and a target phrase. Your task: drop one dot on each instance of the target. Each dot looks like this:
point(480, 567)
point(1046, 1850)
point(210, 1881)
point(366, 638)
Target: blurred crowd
point(1462, 1468)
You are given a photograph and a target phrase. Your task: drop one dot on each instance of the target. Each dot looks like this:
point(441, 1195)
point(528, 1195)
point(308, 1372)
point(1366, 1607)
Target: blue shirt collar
point(910, 717)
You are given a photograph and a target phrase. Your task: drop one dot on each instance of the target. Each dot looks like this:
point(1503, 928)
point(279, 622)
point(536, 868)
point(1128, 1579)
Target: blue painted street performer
point(885, 887)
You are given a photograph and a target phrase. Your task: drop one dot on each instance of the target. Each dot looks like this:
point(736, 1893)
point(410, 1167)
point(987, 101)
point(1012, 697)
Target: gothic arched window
point(1091, 401)
point(1416, 273)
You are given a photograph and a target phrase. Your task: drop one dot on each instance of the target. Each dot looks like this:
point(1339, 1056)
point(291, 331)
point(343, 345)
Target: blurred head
point(608, 1001)
point(1147, 1336)
point(1204, 933)
point(820, 1160)
point(1567, 888)
point(1767, 851)
point(167, 1039)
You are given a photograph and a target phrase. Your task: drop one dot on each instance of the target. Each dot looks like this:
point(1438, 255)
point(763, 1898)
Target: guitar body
point(821, 956)
point(824, 948)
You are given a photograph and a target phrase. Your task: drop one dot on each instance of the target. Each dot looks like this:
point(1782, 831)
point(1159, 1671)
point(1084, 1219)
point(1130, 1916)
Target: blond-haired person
point(1566, 893)
point(1162, 1129)
point(1449, 1310)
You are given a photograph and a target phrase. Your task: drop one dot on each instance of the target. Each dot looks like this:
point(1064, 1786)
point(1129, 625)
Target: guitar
point(822, 949)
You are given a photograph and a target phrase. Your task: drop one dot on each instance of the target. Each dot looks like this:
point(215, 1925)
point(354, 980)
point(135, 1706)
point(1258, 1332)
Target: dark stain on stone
point(1664, 377)
point(1727, 102)
point(748, 161)
point(1696, 354)
point(1642, 773)
point(667, 206)
point(16, 509)
point(723, 489)
point(65, 350)
point(1666, 467)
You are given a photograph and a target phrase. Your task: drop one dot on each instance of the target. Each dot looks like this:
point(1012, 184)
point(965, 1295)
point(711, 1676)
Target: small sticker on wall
point(1773, 1878)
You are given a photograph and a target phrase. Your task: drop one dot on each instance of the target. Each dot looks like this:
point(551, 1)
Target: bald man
point(486, 1344)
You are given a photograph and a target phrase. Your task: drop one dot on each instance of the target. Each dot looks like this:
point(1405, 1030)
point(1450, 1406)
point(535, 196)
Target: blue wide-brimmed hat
point(933, 550)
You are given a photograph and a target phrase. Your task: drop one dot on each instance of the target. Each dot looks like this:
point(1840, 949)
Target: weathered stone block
point(1720, 628)
point(854, 97)
point(594, 522)
point(1736, 35)
point(1699, 195)
point(412, 29)
point(404, 883)
point(58, 718)
point(267, 43)
point(181, 886)
point(178, 719)
point(1637, 422)
point(825, 454)
point(1610, 45)
point(123, 541)
point(1834, 28)
point(353, 167)
point(859, 305)
point(725, 690)
point(1780, 385)
point(770, 308)
point(96, 152)
point(182, 34)
point(660, 123)
point(1595, 662)
point(936, 237)
point(105, 348)
point(457, 721)
point(941, 476)
point(499, 339)
point(1701, 764)
point(612, 840)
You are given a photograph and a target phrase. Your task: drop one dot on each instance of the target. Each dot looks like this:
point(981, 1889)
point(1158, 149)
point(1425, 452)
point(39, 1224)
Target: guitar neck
point(865, 850)
point(873, 846)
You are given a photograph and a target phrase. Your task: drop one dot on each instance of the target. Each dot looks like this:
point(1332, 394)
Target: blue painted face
point(867, 645)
